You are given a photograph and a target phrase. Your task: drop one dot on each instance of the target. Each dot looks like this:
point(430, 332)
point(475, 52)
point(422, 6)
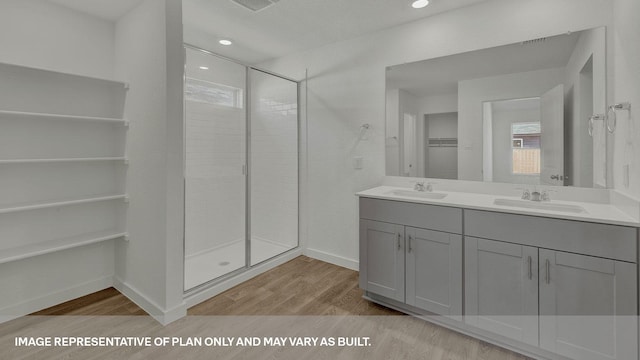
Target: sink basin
point(540, 205)
point(418, 194)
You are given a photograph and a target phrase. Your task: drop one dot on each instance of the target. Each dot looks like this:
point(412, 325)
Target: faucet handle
point(430, 186)
point(419, 186)
point(545, 196)
point(526, 194)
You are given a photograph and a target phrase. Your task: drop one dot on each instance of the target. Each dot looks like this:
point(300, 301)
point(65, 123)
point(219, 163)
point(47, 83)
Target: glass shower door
point(274, 165)
point(215, 181)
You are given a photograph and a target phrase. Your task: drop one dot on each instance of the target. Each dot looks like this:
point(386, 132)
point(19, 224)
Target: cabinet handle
point(410, 239)
point(529, 264)
point(399, 238)
point(547, 276)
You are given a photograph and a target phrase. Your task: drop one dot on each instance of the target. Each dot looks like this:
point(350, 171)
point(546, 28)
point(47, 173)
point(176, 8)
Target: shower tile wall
point(214, 181)
point(274, 164)
point(215, 185)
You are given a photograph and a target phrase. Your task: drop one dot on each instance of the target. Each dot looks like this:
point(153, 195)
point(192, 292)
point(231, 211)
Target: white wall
point(40, 34)
point(346, 88)
point(441, 103)
point(626, 45)
point(471, 95)
point(149, 55)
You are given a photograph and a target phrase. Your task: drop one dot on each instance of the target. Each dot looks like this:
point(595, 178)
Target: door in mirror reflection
point(552, 137)
point(524, 139)
point(409, 149)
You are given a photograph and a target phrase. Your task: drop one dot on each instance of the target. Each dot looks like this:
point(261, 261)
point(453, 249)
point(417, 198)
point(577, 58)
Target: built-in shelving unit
point(49, 246)
point(63, 158)
point(443, 142)
point(60, 160)
point(68, 202)
point(21, 115)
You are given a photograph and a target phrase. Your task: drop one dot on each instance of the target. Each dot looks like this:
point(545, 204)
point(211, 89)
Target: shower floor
point(210, 265)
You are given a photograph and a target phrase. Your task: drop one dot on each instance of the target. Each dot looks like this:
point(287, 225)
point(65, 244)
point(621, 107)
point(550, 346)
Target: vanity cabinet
point(519, 283)
point(411, 260)
point(434, 271)
point(552, 288)
point(587, 306)
point(384, 251)
point(501, 292)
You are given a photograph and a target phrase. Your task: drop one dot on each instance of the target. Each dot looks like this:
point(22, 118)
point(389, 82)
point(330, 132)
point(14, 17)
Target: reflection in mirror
point(517, 113)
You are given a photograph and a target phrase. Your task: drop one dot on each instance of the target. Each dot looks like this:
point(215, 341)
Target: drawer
point(441, 218)
point(602, 240)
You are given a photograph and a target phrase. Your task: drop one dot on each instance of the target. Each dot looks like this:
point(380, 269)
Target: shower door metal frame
point(246, 169)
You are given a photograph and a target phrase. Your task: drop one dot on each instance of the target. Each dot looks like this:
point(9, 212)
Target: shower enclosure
point(241, 168)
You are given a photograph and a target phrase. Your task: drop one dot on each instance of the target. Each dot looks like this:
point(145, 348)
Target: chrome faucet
point(526, 195)
point(535, 196)
point(545, 196)
point(419, 186)
point(430, 186)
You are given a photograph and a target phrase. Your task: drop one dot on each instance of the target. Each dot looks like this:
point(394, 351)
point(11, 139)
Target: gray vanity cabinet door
point(382, 258)
point(587, 306)
point(434, 271)
point(501, 288)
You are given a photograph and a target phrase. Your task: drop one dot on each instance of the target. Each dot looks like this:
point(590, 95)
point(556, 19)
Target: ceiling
point(291, 26)
point(111, 10)
point(440, 76)
point(286, 27)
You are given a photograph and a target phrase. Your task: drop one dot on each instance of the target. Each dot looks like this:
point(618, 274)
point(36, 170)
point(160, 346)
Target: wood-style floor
point(302, 286)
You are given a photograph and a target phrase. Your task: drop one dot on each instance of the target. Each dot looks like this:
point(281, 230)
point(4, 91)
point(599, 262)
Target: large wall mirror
point(518, 113)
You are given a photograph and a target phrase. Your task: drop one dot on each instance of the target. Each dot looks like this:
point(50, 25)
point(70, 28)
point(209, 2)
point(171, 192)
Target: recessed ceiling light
point(419, 4)
point(225, 42)
point(204, 68)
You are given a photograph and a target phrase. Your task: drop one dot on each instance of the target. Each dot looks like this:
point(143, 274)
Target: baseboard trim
point(55, 298)
point(200, 296)
point(332, 259)
point(150, 307)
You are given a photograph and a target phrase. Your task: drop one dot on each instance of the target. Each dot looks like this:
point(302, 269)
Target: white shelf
point(47, 247)
point(67, 202)
point(43, 116)
point(61, 160)
point(123, 84)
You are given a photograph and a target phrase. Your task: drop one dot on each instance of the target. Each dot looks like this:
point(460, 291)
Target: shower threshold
point(210, 265)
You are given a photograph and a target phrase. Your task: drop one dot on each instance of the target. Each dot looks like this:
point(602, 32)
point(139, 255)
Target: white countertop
point(595, 212)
